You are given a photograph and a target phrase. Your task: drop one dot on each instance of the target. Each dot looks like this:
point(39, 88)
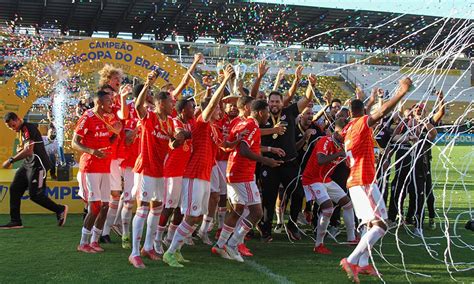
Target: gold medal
point(275, 122)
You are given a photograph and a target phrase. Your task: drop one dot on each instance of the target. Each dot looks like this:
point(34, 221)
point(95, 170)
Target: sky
point(440, 8)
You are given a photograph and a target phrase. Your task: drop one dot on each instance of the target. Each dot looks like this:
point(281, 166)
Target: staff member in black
point(31, 175)
point(287, 173)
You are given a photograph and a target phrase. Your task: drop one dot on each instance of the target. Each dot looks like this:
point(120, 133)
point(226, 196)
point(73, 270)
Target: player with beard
point(197, 175)
point(366, 198)
point(287, 173)
point(319, 187)
point(157, 136)
point(242, 188)
point(175, 165)
point(94, 135)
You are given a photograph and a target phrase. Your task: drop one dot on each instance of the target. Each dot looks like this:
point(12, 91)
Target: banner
point(460, 139)
point(64, 193)
point(38, 76)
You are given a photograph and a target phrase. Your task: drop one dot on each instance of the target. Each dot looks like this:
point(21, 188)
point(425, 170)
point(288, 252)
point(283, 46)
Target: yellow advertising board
point(39, 75)
point(62, 192)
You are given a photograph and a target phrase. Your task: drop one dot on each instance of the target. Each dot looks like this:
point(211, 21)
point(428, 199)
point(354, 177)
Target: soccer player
point(94, 135)
point(119, 152)
point(131, 141)
point(174, 169)
point(319, 187)
point(157, 135)
point(196, 178)
point(31, 175)
point(218, 180)
point(242, 189)
point(366, 198)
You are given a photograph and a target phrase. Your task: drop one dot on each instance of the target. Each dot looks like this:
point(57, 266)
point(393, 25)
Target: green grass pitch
point(44, 253)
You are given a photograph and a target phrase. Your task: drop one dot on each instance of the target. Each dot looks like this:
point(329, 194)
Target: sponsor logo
point(57, 192)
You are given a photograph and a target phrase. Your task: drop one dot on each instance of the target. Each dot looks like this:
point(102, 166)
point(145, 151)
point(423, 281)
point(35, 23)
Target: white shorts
point(321, 192)
point(245, 193)
point(173, 188)
point(195, 197)
point(116, 174)
point(218, 179)
point(128, 181)
point(148, 188)
point(368, 203)
point(94, 186)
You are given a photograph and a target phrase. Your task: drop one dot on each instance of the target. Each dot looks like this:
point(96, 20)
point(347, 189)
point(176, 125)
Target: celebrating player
point(242, 189)
point(196, 178)
point(319, 187)
point(95, 132)
point(365, 195)
point(157, 134)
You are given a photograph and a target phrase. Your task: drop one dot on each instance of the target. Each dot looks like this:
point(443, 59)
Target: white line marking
point(265, 270)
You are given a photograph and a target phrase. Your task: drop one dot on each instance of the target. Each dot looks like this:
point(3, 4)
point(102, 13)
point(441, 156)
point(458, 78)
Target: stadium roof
point(225, 20)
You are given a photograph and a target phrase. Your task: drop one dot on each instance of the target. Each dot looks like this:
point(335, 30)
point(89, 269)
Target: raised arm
point(198, 57)
point(294, 85)
point(216, 98)
point(262, 70)
point(327, 98)
point(404, 86)
point(140, 102)
point(304, 101)
point(441, 108)
point(278, 78)
point(371, 101)
point(124, 111)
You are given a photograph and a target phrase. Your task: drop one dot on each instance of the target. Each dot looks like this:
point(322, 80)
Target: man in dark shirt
point(31, 175)
point(287, 173)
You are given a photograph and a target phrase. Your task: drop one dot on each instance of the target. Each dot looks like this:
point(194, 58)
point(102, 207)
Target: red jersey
point(359, 145)
point(95, 135)
point(131, 150)
point(224, 126)
point(154, 145)
point(315, 172)
point(178, 158)
point(240, 168)
point(205, 137)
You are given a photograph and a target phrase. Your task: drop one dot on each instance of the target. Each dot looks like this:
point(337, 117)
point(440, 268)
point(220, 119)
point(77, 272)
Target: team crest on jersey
point(283, 117)
point(264, 173)
point(195, 207)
